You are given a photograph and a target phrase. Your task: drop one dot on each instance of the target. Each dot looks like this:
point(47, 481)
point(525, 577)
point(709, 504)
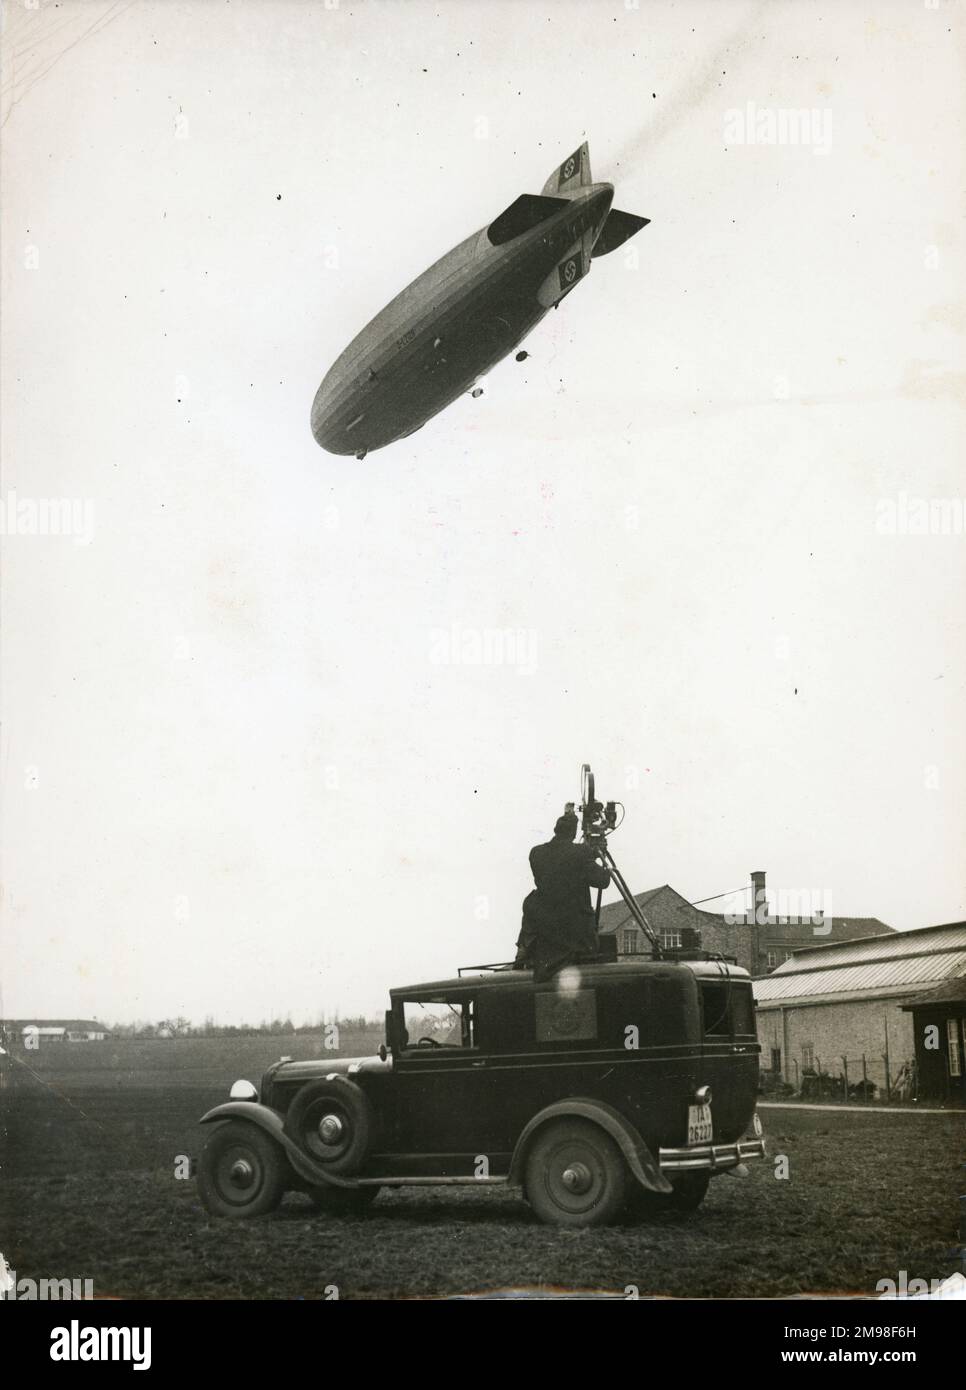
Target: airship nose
point(320, 407)
point(326, 428)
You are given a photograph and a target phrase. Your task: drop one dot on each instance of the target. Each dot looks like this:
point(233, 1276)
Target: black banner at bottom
point(771, 1335)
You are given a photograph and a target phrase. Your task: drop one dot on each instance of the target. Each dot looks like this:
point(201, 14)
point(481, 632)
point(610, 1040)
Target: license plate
point(699, 1124)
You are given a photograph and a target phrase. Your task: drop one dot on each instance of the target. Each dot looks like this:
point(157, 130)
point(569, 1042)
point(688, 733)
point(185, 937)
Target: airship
point(467, 312)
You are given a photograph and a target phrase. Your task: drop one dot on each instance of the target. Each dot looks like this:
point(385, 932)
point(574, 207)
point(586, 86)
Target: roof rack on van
point(669, 953)
point(473, 969)
point(688, 953)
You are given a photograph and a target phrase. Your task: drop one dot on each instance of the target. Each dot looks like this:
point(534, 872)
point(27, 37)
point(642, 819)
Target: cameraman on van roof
point(558, 919)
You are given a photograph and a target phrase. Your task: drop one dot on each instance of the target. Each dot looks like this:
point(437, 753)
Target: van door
point(730, 1051)
point(438, 1083)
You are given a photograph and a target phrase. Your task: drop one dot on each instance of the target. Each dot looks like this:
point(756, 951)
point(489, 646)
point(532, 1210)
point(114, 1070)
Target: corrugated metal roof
point(871, 976)
point(953, 991)
point(896, 944)
point(898, 994)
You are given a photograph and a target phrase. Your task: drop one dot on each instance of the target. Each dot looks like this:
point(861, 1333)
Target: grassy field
point(89, 1191)
point(205, 1062)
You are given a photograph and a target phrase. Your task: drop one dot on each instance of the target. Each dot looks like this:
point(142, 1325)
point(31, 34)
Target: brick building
point(844, 1008)
point(758, 939)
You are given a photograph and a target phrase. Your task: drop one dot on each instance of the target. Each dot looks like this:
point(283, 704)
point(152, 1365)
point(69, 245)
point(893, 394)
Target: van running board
point(433, 1182)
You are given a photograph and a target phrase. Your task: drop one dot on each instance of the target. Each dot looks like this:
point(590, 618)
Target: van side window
point(715, 1001)
point(434, 1023)
point(729, 1008)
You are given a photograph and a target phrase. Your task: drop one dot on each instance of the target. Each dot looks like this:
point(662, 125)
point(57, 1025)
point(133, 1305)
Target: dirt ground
point(89, 1192)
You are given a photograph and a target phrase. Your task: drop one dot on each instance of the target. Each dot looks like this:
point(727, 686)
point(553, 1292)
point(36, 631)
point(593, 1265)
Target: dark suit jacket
point(558, 917)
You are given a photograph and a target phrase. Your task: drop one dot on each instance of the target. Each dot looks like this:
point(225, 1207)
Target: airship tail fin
point(527, 212)
point(572, 174)
point(565, 274)
point(617, 229)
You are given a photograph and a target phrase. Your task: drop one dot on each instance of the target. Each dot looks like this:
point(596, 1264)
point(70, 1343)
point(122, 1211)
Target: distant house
point(848, 1008)
point(47, 1033)
point(44, 1031)
point(757, 939)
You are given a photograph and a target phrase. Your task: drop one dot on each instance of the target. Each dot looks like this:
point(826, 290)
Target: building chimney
point(759, 903)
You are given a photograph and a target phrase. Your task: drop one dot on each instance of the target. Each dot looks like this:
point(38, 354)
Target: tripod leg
point(631, 902)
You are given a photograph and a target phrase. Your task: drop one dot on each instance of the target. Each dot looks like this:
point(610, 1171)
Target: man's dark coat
point(558, 918)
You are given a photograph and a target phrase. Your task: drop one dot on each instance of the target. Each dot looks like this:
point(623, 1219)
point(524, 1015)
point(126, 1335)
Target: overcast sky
point(237, 777)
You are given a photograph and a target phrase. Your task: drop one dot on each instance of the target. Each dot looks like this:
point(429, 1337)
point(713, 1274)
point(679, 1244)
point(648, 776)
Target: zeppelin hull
point(467, 312)
point(401, 371)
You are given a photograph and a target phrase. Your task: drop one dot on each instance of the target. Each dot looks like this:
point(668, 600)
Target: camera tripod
point(631, 903)
point(598, 821)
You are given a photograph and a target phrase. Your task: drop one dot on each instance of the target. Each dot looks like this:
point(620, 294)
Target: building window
point(955, 1051)
point(670, 940)
point(808, 1056)
point(776, 1059)
point(628, 944)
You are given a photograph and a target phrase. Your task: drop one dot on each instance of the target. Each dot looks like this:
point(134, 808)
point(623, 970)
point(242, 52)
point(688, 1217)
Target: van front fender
point(272, 1122)
point(637, 1155)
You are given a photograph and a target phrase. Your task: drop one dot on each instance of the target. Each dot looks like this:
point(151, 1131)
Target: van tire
point(690, 1190)
point(688, 1194)
point(575, 1175)
point(242, 1171)
point(346, 1108)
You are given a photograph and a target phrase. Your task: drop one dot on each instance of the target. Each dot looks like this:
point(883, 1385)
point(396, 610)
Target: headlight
point(243, 1090)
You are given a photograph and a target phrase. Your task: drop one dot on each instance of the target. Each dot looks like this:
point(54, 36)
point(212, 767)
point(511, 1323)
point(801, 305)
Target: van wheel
point(331, 1121)
point(343, 1201)
point(575, 1175)
point(242, 1172)
point(690, 1190)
